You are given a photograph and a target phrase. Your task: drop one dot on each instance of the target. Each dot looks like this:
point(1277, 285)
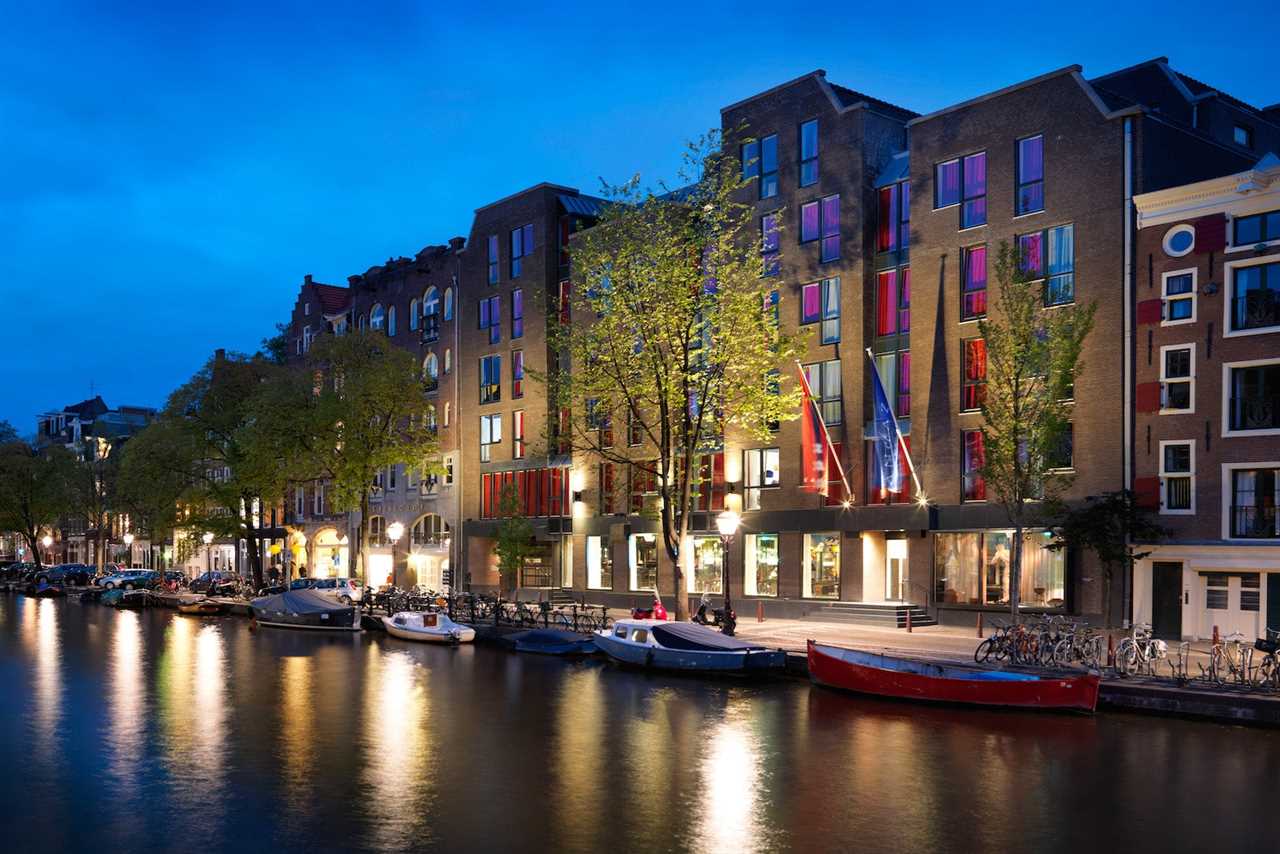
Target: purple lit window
point(809, 222)
point(974, 211)
point(811, 303)
point(1031, 254)
point(1030, 175)
point(973, 297)
point(517, 313)
point(769, 244)
point(830, 228)
point(947, 184)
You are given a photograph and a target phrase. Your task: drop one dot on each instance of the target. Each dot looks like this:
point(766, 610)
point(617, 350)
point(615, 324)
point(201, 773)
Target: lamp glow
point(207, 538)
point(727, 523)
point(395, 531)
point(128, 539)
point(46, 541)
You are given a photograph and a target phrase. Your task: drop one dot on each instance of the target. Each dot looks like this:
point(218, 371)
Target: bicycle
point(1229, 661)
point(1140, 652)
point(1268, 672)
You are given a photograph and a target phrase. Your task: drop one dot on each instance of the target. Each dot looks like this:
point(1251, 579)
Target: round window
point(1179, 240)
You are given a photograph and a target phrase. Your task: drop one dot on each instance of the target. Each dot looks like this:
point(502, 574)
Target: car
point(216, 582)
point(130, 579)
point(16, 571)
point(301, 583)
point(63, 573)
point(345, 590)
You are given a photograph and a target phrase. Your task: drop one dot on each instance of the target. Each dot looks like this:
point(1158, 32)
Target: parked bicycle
point(1140, 652)
point(1230, 662)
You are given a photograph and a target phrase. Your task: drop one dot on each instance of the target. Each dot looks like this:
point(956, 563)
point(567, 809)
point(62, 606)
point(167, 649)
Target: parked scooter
point(654, 612)
point(727, 621)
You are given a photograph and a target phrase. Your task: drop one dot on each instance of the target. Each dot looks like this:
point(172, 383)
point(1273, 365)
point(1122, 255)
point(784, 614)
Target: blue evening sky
point(170, 170)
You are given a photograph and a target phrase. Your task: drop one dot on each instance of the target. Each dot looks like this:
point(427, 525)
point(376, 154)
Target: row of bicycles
point(480, 608)
point(1047, 641)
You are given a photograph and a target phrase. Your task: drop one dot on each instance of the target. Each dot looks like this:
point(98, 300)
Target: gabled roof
point(842, 97)
point(582, 205)
point(88, 409)
point(333, 299)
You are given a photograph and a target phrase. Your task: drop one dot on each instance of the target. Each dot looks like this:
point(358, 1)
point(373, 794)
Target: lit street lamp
point(208, 554)
point(47, 542)
point(128, 549)
point(394, 532)
point(727, 523)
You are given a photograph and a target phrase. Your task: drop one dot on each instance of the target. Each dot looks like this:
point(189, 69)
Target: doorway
point(1166, 600)
point(895, 570)
point(1273, 601)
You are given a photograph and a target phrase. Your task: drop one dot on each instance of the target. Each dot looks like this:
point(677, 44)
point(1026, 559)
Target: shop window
point(761, 555)
point(821, 578)
point(599, 563)
point(706, 565)
point(972, 568)
point(642, 553)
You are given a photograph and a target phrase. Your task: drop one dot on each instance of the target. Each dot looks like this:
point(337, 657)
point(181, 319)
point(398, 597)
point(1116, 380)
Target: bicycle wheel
point(984, 650)
point(1064, 653)
point(1126, 657)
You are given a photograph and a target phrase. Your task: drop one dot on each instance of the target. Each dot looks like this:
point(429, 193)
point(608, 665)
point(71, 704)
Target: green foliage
point(276, 348)
point(35, 489)
point(514, 537)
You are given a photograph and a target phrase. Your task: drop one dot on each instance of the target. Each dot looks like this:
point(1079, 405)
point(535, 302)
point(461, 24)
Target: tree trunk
point(100, 558)
point(34, 543)
point(362, 553)
point(1015, 570)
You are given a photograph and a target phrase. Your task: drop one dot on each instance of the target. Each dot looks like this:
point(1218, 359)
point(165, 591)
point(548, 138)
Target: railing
point(1256, 309)
point(1254, 523)
point(489, 610)
point(1255, 413)
point(430, 329)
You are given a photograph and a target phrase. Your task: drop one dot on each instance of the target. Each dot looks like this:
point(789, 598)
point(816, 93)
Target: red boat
point(911, 679)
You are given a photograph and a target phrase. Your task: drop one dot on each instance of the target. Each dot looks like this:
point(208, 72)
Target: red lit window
point(973, 391)
point(974, 486)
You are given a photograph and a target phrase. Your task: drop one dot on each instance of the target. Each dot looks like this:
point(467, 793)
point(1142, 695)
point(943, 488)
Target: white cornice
point(1244, 192)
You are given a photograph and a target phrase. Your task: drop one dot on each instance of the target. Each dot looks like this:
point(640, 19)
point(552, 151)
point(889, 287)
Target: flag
point(884, 427)
point(813, 444)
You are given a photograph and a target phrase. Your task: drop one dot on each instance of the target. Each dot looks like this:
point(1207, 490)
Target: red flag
point(813, 444)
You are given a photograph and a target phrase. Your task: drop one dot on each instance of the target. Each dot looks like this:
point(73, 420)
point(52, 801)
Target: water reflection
point(578, 759)
point(731, 777)
point(297, 734)
point(193, 698)
point(126, 727)
point(44, 642)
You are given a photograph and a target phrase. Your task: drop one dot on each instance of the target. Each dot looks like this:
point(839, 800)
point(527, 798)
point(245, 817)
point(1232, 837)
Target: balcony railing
point(430, 329)
point(1254, 523)
point(1256, 309)
point(1255, 413)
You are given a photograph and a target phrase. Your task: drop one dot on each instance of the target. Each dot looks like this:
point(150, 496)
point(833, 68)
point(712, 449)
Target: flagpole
point(902, 443)
point(808, 389)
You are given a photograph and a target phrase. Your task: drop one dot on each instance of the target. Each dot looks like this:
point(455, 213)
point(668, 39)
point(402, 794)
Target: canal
point(148, 731)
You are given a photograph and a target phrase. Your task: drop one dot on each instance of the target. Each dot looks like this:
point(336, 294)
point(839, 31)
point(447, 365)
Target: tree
point(514, 538)
point(35, 489)
point(93, 491)
point(674, 331)
point(1109, 525)
point(1033, 354)
point(154, 482)
point(276, 348)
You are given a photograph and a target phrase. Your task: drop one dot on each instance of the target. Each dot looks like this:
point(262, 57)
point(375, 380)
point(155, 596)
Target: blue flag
point(885, 429)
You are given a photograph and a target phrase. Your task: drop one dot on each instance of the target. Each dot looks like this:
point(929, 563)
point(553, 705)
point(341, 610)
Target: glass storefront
point(643, 559)
point(599, 563)
point(821, 566)
point(761, 565)
point(706, 575)
point(973, 568)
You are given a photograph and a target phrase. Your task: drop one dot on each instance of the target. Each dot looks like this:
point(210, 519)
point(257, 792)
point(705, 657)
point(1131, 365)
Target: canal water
point(149, 731)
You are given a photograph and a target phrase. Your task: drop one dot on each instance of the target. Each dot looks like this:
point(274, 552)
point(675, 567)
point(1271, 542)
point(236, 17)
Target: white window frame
point(1164, 380)
point(633, 562)
point(1178, 229)
point(758, 455)
point(1227, 469)
point(317, 500)
point(1165, 511)
point(1165, 297)
point(1226, 396)
point(1228, 297)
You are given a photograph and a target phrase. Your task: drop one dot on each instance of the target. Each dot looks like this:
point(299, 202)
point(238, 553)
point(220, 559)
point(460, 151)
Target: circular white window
point(1179, 240)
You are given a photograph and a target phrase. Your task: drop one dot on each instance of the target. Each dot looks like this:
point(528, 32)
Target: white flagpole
point(848, 493)
point(911, 466)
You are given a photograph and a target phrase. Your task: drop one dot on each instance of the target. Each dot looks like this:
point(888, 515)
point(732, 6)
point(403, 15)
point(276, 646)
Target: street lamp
point(128, 549)
point(727, 523)
point(208, 554)
point(47, 542)
point(394, 532)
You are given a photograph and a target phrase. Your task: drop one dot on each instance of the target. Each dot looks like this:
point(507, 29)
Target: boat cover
point(298, 602)
point(694, 637)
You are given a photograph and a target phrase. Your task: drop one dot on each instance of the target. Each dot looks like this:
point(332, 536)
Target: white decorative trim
point(1165, 380)
point(1164, 295)
point(1190, 473)
point(1180, 228)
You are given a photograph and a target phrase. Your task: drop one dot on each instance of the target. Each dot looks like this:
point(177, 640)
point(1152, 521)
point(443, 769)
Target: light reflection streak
point(193, 696)
point(578, 760)
point(297, 733)
point(399, 760)
point(730, 767)
point(127, 724)
point(40, 628)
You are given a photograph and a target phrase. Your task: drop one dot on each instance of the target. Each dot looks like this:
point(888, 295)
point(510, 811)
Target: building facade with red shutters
point(1208, 403)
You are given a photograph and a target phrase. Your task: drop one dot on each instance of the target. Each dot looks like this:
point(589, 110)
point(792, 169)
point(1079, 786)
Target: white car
point(127, 579)
point(345, 590)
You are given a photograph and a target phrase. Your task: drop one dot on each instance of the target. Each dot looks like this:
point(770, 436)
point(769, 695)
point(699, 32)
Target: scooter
point(653, 612)
point(727, 620)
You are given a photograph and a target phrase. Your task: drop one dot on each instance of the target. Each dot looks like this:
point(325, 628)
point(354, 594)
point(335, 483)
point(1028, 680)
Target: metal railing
point(1255, 523)
point(1258, 412)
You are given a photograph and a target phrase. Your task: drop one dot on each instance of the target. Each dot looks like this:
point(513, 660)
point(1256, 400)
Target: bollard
point(759, 611)
point(1216, 639)
point(979, 624)
point(908, 620)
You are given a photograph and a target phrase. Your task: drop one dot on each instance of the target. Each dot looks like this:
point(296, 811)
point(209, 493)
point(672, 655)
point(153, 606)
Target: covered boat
point(45, 590)
point(427, 627)
point(552, 642)
point(912, 679)
point(202, 607)
point(124, 598)
point(304, 609)
point(684, 646)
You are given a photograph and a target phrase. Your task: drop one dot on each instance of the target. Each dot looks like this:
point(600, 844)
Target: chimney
point(306, 280)
point(456, 243)
point(220, 355)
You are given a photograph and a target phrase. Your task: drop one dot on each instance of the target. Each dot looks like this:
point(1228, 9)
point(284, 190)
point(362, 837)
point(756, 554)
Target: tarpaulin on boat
point(298, 602)
point(694, 637)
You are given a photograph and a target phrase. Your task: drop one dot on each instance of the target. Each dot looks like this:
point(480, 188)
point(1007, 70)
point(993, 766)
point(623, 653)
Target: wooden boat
point(911, 679)
point(305, 609)
point(552, 642)
point(427, 627)
point(202, 608)
point(666, 645)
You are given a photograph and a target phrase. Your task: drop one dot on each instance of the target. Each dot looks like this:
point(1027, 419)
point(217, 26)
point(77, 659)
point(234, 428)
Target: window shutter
point(1211, 233)
point(1148, 397)
point(1150, 312)
point(1146, 491)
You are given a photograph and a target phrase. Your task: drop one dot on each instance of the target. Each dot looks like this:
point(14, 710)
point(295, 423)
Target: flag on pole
point(884, 427)
point(813, 442)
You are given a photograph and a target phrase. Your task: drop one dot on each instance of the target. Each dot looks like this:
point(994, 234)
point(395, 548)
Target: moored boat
point(45, 590)
point(552, 642)
point(911, 679)
point(684, 646)
point(203, 607)
point(304, 609)
point(427, 627)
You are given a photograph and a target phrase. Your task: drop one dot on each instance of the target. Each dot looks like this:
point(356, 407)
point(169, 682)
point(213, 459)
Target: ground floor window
point(761, 565)
point(599, 563)
point(536, 571)
point(642, 552)
point(707, 555)
point(821, 566)
point(973, 568)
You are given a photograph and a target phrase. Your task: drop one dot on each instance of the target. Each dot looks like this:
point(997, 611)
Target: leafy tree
point(92, 491)
point(514, 538)
point(35, 489)
point(7, 433)
point(674, 332)
point(1033, 354)
point(1111, 526)
point(276, 348)
point(154, 484)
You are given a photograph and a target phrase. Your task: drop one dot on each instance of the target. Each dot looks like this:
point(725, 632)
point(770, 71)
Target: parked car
point(345, 590)
point(216, 583)
point(63, 573)
point(15, 571)
point(301, 583)
point(130, 579)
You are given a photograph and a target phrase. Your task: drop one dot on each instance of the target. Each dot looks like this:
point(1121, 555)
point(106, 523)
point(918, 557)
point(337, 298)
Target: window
point(761, 558)
point(830, 229)
point(762, 473)
point(893, 302)
point(1177, 370)
point(448, 470)
point(820, 301)
point(1215, 593)
point(1254, 493)
point(643, 486)
point(1059, 270)
point(946, 184)
point(1177, 467)
point(317, 500)
point(391, 478)
point(1061, 457)
point(413, 314)
point(969, 174)
point(391, 320)
point(448, 360)
point(769, 248)
point(517, 313)
point(1242, 135)
point(493, 259)
point(973, 290)
point(642, 554)
point(448, 303)
point(769, 167)
point(431, 315)
point(300, 502)
point(749, 157)
point(490, 434)
point(490, 379)
point(1259, 228)
point(517, 434)
point(635, 429)
point(539, 492)
point(517, 374)
point(1250, 591)
point(1179, 240)
point(895, 375)
point(894, 223)
point(430, 530)
point(821, 578)
point(1254, 402)
point(974, 485)
point(824, 380)
point(705, 565)
point(973, 388)
point(431, 372)
point(491, 318)
point(809, 153)
point(306, 309)
point(1179, 297)
point(447, 408)
point(599, 564)
point(1255, 296)
point(377, 317)
point(1030, 196)
point(972, 568)
point(521, 248)
point(810, 221)
point(377, 531)
point(608, 489)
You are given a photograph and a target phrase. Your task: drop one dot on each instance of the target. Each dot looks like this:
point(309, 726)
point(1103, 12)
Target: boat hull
point(661, 658)
point(202, 609)
point(459, 634)
point(338, 620)
point(552, 642)
point(851, 670)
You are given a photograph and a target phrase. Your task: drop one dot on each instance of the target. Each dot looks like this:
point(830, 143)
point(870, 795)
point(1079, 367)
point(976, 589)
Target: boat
point(203, 607)
point(45, 590)
point(124, 598)
point(304, 609)
point(427, 627)
point(551, 642)
point(890, 676)
point(667, 645)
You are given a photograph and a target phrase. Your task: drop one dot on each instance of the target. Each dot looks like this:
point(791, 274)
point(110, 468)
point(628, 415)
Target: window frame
point(1265, 215)
point(961, 198)
point(980, 386)
point(765, 174)
point(819, 388)
point(823, 319)
point(759, 457)
point(1227, 368)
point(1019, 183)
point(771, 258)
point(491, 392)
point(488, 422)
point(489, 316)
point(804, 161)
point(517, 374)
point(517, 313)
point(823, 235)
point(1167, 240)
point(1229, 269)
point(517, 434)
point(966, 253)
point(979, 480)
point(1165, 379)
point(898, 230)
point(1044, 277)
point(494, 258)
point(1166, 298)
point(1228, 496)
point(1164, 475)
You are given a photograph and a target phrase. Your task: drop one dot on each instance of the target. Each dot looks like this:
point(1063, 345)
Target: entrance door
point(1273, 601)
point(1166, 600)
point(895, 570)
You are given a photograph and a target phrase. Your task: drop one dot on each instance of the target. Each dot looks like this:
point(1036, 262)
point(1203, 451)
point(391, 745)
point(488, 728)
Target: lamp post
point(208, 553)
point(394, 532)
point(727, 523)
point(47, 542)
point(128, 549)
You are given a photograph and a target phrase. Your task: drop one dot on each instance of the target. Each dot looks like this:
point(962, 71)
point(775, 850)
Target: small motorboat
point(305, 609)
point(203, 607)
point(45, 590)
point(912, 679)
point(124, 598)
point(427, 627)
point(684, 646)
point(552, 642)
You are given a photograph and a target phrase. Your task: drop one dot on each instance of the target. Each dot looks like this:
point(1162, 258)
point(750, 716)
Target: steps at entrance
point(560, 596)
point(889, 615)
